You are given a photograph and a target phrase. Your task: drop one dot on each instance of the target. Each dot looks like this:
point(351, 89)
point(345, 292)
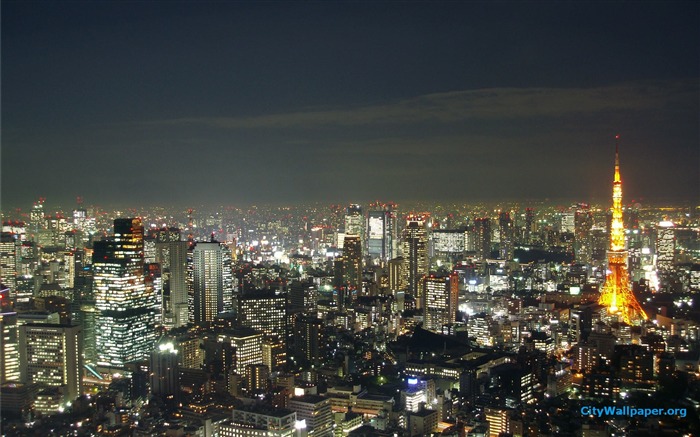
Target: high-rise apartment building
point(506, 233)
point(125, 322)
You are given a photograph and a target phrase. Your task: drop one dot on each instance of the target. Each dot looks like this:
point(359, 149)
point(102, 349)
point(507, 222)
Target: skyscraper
point(8, 263)
point(212, 281)
point(440, 296)
point(172, 256)
point(9, 345)
point(352, 264)
point(354, 221)
point(307, 339)
point(415, 252)
point(381, 228)
point(665, 245)
point(125, 324)
point(583, 223)
point(482, 237)
point(505, 228)
point(616, 294)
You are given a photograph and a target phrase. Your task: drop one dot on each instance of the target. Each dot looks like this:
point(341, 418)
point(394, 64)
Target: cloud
point(471, 105)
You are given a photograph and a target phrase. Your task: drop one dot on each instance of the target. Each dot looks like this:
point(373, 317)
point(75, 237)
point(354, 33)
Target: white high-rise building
point(212, 281)
point(665, 245)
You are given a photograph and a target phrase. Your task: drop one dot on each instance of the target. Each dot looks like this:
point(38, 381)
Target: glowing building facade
point(440, 296)
point(51, 354)
point(125, 324)
point(665, 245)
point(415, 252)
point(212, 281)
point(616, 294)
point(9, 352)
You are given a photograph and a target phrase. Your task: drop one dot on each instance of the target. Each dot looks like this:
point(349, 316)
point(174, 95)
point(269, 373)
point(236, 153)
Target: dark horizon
point(218, 103)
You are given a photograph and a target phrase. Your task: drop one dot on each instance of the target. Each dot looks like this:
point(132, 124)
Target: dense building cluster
point(378, 319)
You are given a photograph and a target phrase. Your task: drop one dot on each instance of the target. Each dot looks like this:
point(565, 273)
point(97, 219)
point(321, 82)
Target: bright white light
point(167, 347)
point(300, 424)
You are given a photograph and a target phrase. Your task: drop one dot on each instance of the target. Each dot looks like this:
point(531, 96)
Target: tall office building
point(212, 281)
point(482, 237)
point(381, 235)
point(52, 355)
point(257, 378)
point(665, 245)
point(264, 311)
point(172, 256)
point(354, 221)
point(303, 295)
point(8, 263)
point(506, 231)
point(165, 370)
point(9, 345)
point(352, 264)
point(415, 252)
point(397, 275)
point(583, 223)
point(440, 295)
point(125, 322)
point(274, 351)
point(308, 333)
point(247, 346)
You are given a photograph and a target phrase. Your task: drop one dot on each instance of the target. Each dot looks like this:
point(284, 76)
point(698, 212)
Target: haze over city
point(224, 103)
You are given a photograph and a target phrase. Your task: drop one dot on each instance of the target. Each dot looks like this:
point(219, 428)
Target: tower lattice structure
point(617, 295)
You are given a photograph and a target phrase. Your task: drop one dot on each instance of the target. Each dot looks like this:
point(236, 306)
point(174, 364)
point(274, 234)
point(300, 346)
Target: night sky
point(191, 103)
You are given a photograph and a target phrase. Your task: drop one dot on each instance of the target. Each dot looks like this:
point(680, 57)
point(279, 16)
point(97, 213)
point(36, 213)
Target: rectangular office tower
point(440, 296)
point(125, 324)
point(52, 355)
point(212, 281)
point(381, 229)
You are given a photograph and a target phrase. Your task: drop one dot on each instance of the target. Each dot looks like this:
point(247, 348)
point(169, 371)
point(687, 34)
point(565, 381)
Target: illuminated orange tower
point(617, 295)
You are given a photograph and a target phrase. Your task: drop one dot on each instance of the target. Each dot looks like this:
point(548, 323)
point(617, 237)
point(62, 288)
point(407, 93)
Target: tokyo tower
point(617, 295)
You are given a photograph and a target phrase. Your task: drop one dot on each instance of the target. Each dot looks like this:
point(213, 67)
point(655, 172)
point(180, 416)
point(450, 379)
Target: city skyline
point(245, 103)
